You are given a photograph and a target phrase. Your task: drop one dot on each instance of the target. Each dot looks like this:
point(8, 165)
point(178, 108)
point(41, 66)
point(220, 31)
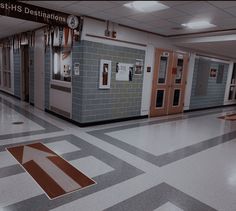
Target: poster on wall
point(105, 74)
point(124, 72)
point(76, 68)
point(213, 73)
point(138, 67)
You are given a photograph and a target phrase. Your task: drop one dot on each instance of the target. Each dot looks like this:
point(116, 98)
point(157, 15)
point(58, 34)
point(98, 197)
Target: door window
point(162, 70)
point(179, 72)
point(160, 98)
point(176, 97)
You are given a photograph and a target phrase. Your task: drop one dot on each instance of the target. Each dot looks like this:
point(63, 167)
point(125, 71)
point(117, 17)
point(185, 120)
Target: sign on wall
point(34, 13)
point(105, 74)
point(123, 71)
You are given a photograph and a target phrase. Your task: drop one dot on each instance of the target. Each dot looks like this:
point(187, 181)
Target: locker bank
point(117, 105)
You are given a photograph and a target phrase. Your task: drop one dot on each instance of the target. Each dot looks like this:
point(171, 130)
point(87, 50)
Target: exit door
point(169, 81)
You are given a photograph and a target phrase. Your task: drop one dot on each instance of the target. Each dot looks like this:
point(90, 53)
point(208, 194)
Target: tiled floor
point(182, 162)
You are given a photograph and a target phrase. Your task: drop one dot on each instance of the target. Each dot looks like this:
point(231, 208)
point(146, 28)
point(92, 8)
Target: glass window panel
point(179, 72)
point(233, 80)
point(160, 98)
point(231, 92)
point(162, 70)
point(62, 60)
point(176, 97)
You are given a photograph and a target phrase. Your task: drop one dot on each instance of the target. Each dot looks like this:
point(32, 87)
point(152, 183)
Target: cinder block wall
point(17, 75)
point(215, 91)
point(122, 100)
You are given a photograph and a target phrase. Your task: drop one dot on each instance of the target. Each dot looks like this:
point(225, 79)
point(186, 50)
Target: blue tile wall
point(215, 91)
point(92, 104)
point(77, 82)
point(17, 75)
point(31, 74)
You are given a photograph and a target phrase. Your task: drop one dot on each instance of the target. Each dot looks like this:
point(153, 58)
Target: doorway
point(39, 55)
point(169, 81)
point(25, 73)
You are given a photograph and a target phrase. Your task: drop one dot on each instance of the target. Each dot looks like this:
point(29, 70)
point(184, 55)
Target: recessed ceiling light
point(198, 25)
point(146, 6)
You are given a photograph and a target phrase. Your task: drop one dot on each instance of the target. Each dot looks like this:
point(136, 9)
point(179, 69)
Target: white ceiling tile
point(223, 4)
point(175, 3)
point(121, 2)
point(99, 5)
point(162, 23)
point(126, 21)
point(52, 4)
point(79, 10)
point(231, 10)
point(182, 19)
point(104, 16)
point(144, 18)
point(196, 7)
point(122, 11)
point(168, 13)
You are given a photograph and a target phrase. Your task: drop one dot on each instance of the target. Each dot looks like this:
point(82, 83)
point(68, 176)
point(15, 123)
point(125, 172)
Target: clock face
point(72, 21)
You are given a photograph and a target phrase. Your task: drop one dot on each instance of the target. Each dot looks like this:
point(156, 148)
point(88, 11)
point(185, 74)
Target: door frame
point(24, 51)
point(154, 111)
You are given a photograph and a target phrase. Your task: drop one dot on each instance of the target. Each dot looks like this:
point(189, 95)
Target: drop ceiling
point(166, 22)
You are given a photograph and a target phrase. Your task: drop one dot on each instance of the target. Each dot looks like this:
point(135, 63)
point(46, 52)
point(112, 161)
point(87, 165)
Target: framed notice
point(105, 74)
point(123, 71)
point(138, 67)
point(76, 68)
point(213, 73)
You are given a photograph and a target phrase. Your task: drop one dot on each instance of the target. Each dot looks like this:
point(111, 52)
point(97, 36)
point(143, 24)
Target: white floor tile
point(168, 207)
point(209, 176)
point(91, 166)
point(62, 147)
point(16, 188)
point(162, 138)
point(8, 116)
point(6, 159)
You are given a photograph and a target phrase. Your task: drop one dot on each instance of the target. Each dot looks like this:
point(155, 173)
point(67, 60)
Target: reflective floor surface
point(183, 162)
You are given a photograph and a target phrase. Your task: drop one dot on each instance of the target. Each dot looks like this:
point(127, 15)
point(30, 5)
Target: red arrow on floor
point(54, 175)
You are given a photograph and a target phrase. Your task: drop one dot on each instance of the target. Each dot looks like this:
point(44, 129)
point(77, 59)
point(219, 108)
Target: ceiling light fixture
point(198, 25)
point(146, 6)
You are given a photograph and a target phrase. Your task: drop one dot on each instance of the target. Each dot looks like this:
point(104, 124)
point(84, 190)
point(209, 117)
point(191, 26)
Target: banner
point(34, 13)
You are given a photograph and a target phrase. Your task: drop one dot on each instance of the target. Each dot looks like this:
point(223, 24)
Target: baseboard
point(201, 109)
point(9, 94)
point(87, 124)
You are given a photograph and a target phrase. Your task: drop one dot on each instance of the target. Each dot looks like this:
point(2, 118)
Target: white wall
point(188, 88)
point(230, 72)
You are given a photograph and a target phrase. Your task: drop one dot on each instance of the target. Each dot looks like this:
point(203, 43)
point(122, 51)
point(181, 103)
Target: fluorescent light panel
point(146, 6)
point(198, 25)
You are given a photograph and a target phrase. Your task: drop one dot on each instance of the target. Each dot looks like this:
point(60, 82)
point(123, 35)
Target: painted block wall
point(47, 68)
point(31, 75)
point(17, 75)
point(122, 100)
point(215, 92)
point(77, 81)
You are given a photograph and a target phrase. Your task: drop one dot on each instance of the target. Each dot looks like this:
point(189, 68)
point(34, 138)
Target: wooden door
point(161, 82)
point(178, 83)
